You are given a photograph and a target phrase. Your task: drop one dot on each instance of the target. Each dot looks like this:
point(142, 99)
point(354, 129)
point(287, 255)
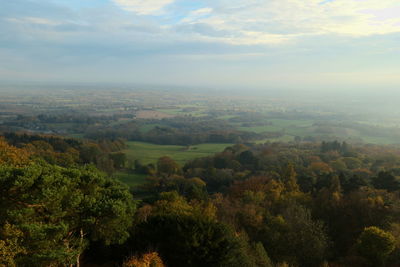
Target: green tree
point(189, 241)
point(375, 245)
point(295, 238)
point(386, 180)
point(289, 177)
point(10, 245)
point(166, 165)
point(59, 210)
point(119, 159)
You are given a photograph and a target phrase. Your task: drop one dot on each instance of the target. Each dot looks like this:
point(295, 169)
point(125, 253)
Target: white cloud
point(197, 14)
point(33, 20)
point(275, 42)
point(275, 21)
point(202, 11)
point(143, 7)
point(247, 22)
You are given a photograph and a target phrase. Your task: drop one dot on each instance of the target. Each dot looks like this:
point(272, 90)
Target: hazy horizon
point(291, 44)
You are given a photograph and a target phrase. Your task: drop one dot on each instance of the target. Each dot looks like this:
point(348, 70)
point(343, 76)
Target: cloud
point(197, 14)
point(32, 20)
point(144, 7)
point(235, 22)
point(271, 22)
point(231, 42)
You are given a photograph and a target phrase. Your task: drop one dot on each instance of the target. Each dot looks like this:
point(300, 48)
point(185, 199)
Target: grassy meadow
point(131, 179)
point(150, 153)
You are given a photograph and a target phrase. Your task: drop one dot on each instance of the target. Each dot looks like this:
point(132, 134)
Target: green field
point(150, 153)
point(260, 129)
point(226, 117)
point(131, 179)
point(291, 123)
point(292, 127)
point(180, 111)
point(170, 111)
point(284, 138)
point(147, 127)
point(379, 140)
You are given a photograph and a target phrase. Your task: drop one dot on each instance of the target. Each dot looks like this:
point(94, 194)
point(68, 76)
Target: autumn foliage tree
point(375, 245)
point(150, 259)
point(10, 155)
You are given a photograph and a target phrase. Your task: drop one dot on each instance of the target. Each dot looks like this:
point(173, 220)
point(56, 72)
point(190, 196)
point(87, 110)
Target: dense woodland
point(172, 131)
point(273, 204)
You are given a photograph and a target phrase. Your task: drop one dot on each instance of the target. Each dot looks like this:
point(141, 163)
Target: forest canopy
point(304, 204)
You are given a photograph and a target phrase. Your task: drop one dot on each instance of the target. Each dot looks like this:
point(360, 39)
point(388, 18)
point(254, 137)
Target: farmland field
point(185, 111)
point(151, 114)
point(150, 153)
point(284, 138)
point(293, 127)
point(260, 129)
point(147, 127)
point(131, 179)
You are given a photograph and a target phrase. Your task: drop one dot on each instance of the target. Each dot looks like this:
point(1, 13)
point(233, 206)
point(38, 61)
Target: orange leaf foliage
point(147, 260)
point(10, 155)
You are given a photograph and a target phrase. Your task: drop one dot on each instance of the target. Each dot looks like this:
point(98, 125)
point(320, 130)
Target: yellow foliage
point(10, 238)
point(204, 209)
point(336, 196)
point(375, 201)
point(274, 190)
point(320, 167)
point(10, 155)
point(143, 213)
point(282, 264)
point(147, 260)
point(173, 203)
point(395, 231)
point(197, 181)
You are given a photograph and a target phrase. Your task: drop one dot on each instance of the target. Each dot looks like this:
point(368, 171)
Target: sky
point(263, 44)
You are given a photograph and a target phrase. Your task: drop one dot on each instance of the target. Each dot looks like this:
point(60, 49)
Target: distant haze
point(293, 44)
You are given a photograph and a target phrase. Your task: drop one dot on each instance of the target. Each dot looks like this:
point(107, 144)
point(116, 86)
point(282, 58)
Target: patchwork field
point(186, 110)
point(152, 114)
point(289, 128)
point(284, 138)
